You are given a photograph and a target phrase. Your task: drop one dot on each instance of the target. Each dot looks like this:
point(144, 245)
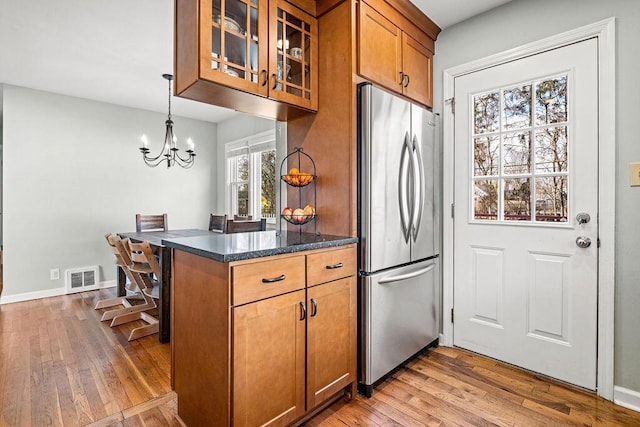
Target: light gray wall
point(229, 130)
point(73, 172)
point(524, 21)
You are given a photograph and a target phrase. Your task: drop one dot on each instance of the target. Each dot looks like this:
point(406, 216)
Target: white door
point(526, 165)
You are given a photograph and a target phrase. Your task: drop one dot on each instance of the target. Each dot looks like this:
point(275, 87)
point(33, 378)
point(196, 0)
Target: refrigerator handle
point(407, 275)
point(418, 187)
point(405, 217)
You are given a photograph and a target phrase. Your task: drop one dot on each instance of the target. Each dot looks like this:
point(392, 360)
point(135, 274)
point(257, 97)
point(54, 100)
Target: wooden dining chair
point(246, 226)
point(122, 260)
point(145, 270)
point(242, 217)
point(151, 222)
point(218, 223)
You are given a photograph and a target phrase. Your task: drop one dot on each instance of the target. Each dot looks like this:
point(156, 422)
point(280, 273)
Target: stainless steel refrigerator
point(398, 233)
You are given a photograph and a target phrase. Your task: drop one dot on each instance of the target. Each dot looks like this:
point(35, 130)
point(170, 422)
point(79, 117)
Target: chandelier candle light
point(169, 150)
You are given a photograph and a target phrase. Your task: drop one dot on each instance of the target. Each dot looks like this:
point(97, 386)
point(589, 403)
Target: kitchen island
point(264, 326)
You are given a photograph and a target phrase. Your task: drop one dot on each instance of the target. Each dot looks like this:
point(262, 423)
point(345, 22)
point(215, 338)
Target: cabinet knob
point(314, 307)
point(408, 80)
point(265, 77)
point(401, 78)
point(275, 81)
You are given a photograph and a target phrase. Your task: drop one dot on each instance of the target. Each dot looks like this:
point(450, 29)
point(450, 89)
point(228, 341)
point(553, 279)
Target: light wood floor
point(59, 365)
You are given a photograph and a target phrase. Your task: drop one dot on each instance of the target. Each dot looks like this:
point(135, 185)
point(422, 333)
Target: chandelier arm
point(185, 160)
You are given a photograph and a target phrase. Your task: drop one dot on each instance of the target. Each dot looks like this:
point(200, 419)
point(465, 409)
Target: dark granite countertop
point(239, 246)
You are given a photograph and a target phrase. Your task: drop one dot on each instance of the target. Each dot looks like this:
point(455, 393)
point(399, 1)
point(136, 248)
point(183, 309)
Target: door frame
point(604, 31)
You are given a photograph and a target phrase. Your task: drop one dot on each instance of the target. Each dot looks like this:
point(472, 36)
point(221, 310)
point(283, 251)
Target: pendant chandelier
point(169, 151)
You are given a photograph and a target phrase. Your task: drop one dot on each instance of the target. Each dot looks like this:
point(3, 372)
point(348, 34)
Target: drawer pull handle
point(303, 311)
point(314, 308)
point(334, 266)
point(274, 279)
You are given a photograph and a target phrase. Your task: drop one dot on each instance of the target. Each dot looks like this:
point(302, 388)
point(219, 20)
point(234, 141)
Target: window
point(520, 170)
point(251, 176)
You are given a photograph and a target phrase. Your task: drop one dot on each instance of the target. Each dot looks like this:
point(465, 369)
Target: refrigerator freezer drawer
point(400, 316)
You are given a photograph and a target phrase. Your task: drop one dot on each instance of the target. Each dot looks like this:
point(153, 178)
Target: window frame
point(253, 146)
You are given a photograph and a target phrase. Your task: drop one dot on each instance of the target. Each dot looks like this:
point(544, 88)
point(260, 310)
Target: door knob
point(583, 242)
point(583, 218)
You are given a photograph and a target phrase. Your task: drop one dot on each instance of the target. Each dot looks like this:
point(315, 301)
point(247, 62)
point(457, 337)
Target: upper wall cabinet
point(390, 56)
point(254, 56)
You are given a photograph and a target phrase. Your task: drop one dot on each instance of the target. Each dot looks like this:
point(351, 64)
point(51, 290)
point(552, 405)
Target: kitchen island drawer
point(264, 279)
point(331, 265)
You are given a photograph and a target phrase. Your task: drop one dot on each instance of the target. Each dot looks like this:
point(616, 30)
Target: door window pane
point(551, 101)
point(517, 199)
point(551, 199)
point(486, 155)
point(517, 107)
point(551, 149)
point(485, 199)
point(517, 153)
point(486, 112)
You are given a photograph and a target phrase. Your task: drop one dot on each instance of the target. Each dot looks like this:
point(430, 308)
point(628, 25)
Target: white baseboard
point(628, 398)
point(28, 296)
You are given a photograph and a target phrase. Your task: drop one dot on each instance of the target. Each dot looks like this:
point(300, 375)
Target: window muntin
point(520, 168)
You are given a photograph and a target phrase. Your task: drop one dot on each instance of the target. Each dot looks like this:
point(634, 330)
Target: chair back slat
point(217, 223)
point(142, 258)
point(123, 260)
point(246, 226)
point(151, 222)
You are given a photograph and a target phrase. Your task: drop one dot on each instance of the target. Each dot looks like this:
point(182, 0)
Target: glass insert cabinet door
point(293, 38)
point(234, 51)
point(264, 47)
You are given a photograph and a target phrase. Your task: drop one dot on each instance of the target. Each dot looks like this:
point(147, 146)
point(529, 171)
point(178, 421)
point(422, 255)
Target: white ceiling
point(116, 51)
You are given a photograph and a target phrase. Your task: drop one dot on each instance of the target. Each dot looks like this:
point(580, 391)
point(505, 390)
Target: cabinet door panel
point(416, 64)
point(331, 339)
point(268, 361)
point(233, 43)
point(379, 49)
point(293, 55)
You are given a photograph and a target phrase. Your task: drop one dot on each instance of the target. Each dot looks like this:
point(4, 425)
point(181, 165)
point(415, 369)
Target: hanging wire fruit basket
point(299, 170)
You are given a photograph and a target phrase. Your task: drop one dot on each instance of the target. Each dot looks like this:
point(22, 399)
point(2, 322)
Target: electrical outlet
point(54, 273)
point(634, 174)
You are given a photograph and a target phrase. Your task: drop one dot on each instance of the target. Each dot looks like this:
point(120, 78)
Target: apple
point(286, 213)
point(309, 211)
point(298, 215)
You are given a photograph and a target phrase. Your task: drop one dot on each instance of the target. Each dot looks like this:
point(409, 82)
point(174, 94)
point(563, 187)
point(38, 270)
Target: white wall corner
point(630, 399)
point(28, 296)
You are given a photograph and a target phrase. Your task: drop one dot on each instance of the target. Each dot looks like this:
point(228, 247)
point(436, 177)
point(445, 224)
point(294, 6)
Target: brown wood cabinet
point(392, 58)
point(269, 361)
point(256, 56)
point(331, 327)
point(248, 351)
point(330, 135)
